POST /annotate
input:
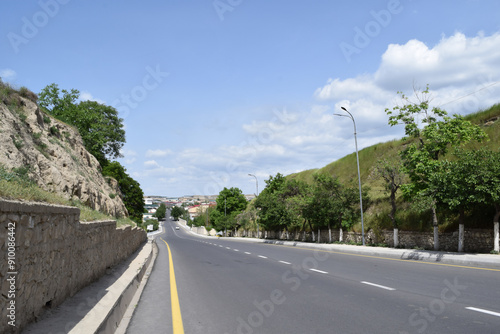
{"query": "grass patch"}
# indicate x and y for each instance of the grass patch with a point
(15, 184)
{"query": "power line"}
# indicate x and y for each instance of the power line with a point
(469, 94)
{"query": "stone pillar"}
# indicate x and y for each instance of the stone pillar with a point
(329, 235)
(496, 237)
(461, 238)
(396, 238)
(436, 238)
(341, 235)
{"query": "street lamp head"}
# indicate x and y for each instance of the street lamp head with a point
(343, 108)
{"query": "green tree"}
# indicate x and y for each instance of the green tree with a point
(470, 180)
(273, 213)
(389, 170)
(99, 125)
(230, 203)
(132, 194)
(61, 107)
(101, 130)
(428, 144)
(177, 212)
(332, 204)
(160, 212)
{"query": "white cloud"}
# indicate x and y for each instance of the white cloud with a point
(129, 156)
(8, 74)
(86, 96)
(151, 164)
(454, 68)
(158, 153)
(454, 61)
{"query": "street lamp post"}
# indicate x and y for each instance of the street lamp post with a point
(257, 194)
(359, 176)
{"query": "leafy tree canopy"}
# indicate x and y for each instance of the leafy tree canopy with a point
(177, 212)
(230, 203)
(160, 212)
(99, 125)
(132, 194)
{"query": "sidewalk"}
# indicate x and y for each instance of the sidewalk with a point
(459, 259)
(101, 306)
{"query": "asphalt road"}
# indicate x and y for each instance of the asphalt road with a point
(229, 286)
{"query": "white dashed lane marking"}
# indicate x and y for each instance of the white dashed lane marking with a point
(496, 314)
(319, 271)
(379, 286)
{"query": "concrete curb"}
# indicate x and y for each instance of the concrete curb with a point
(489, 260)
(127, 316)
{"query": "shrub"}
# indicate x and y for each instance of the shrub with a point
(25, 92)
(18, 142)
(54, 131)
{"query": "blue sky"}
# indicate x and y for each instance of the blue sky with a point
(211, 91)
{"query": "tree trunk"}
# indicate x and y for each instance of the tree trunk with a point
(312, 230)
(396, 237)
(392, 214)
(319, 235)
(436, 231)
(341, 235)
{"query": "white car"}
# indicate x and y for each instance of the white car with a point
(177, 227)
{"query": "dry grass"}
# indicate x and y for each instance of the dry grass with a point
(15, 185)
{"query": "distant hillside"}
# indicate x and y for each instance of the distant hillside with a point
(52, 154)
(345, 168)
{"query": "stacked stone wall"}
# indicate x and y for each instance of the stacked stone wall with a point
(54, 256)
(476, 241)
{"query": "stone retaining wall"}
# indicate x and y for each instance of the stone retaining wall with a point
(55, 256)
(478, 241)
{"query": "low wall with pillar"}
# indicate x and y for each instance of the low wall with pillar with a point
(475, 240)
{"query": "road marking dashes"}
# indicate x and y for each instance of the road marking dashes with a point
(248, 253)
(319, 271)
(284, 262)
(261, 256)
(496, 314)
(379, 286)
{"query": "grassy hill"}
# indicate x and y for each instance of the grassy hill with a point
(376, 216)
